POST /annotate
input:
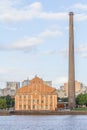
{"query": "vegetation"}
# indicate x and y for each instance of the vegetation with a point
(80, 109)
(6, 102)
(3, 103)
(81, 99)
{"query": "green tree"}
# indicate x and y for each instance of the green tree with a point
(3, 103)
(81, 99)
(8, 101)
(64, 99)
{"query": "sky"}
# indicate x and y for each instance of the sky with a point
(34, 40)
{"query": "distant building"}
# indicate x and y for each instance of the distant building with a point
(25, 82)
(13, 85)
(78, 88)
(1, 92)
(11, 88)
(48, 83)
(63, 91)
(36, 96)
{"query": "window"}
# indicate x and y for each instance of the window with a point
(42, 107)
(37, 101)
(29, 107)
(51, 107)
(20, 107)
(24, 101)
(24, 96)
(33, 101)
(19, 96)
(20, 101)
(42, 101)
(29, 96)
(42, 96)
(33, 106)
(46, 101)
(38, 107)
(51, 96)
(46, 107)
(46, 97)
(24, 106)
(29, 101)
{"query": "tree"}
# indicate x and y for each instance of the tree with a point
(81, 99)
(64, 99)
(3, 103)
(9, 101)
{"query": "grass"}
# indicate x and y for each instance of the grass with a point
(80, 109)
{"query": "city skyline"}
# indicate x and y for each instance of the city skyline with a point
(34, 39)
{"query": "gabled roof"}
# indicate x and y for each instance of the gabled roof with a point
(36, 84)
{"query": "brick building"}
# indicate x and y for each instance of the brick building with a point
(36, 96)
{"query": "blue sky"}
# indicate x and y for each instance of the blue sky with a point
(34, 39)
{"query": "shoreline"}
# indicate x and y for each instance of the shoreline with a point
(8, 113)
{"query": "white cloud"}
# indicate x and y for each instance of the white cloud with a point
(31, 42)
(81, 17)
(51, 33)
(9, 12)
(82, 48)
(84, 55)
(28, 42)
(80, 6)
(57, 52)
(53, 16)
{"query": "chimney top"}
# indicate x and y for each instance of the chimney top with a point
(71, 13)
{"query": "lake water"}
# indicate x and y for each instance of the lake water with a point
(66, 122)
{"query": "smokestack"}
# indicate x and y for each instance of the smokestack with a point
(71, 78)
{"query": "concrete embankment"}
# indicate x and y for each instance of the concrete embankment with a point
(48, 113)
(4, 113)
(7, 113)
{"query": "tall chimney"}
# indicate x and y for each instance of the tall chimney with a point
(71, 78)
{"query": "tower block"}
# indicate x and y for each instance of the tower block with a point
(71, 78)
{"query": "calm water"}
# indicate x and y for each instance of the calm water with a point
(43, 122)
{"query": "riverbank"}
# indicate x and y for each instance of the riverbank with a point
(6, 113)
(48, 112)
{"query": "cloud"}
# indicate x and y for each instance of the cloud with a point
(82, 50)
(56, 52)
(81, 17)
(53, 16)
(51, 33)
(29, 43)
(84, 55)
(80, 6)
(10, 11)
(13, 12)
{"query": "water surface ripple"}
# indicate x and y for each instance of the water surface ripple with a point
(66, 122)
